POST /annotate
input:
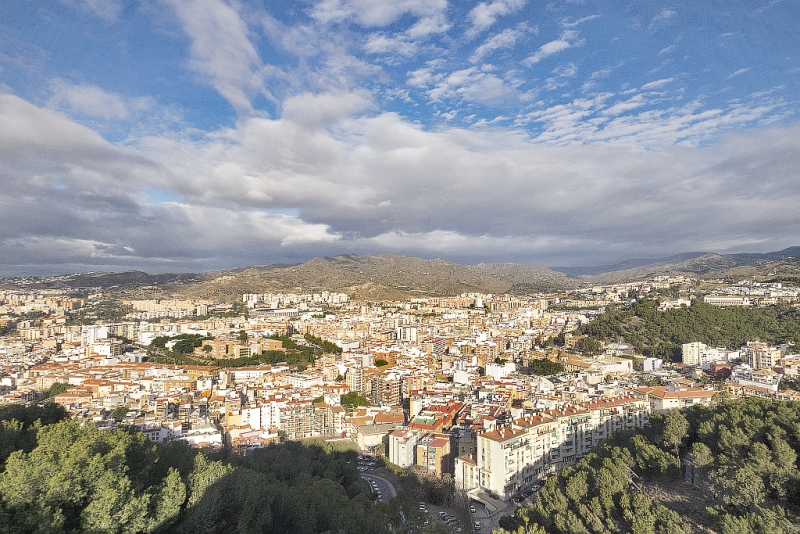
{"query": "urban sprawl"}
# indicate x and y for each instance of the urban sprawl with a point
(444, 383)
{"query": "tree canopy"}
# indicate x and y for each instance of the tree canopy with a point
(545, 367)
(69, 477)
(743, 452)
(661, 333)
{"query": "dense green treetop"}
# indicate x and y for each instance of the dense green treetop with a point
(71, 477)
(661, 333)
(545, 367)
(744, 451)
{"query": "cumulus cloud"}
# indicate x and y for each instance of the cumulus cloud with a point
(505, 39)
(374, 13)
(474, 84)
(316, 111)
(87, 99)
(567, 39)
(379, 43)
(93, 101)
(485, 14)
(221, 51)
(289, 188)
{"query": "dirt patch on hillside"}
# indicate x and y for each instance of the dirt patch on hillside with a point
(680, 496)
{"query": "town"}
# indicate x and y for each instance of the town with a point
(498, 392)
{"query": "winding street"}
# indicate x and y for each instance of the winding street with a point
(385, 487)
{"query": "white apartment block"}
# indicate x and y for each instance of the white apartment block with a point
(727, 300)
(663, 400)
(693, 352)
(511, 459)
(402, 446)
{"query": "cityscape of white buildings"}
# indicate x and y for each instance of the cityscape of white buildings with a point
(447, 379)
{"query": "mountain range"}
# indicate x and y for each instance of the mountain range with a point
(391, 276)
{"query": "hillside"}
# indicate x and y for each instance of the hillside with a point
(392, 276)
(742, 458)
(661, 333)
(387, 276)
(764, 266)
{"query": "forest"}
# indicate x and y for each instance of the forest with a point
(661, 333)
(742, 453)
(57, 475)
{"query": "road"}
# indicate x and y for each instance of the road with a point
(384, 486)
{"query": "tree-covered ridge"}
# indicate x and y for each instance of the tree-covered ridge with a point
(68, 477)
(661, 333)
(744, 453)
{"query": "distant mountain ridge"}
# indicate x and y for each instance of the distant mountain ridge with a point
(629, 264)
(385, 276)
(692, 262)
(392, 276)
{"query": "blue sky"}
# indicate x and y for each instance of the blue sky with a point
(173, 135)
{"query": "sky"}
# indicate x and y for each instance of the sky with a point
(191, 135)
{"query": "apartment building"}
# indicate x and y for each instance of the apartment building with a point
(663, 400)
(402, 446)
(510, 459)
(692, 353)
(433, 453)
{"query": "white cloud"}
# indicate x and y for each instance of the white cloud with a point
(376, 182)
(378, 43)
(663, 18)
(484, 15)
(473, 85)
(428, 26)
(591, 82)
(319, 111)
(221, 51)
(566, 23)
(505, 39)
(562, 74)
(656, 84)
(422, 77)
(592, 120)
(87, 99)
(108, 10)
(568, 39)
(623, 107)
(374, 13)
(568, 70)
(738, 72)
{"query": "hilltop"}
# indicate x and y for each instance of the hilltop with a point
(392, 276)
(709, 265)
(386, 276)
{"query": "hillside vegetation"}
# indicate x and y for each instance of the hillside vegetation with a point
(661, 333)
(59, 476)
(744, 454)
